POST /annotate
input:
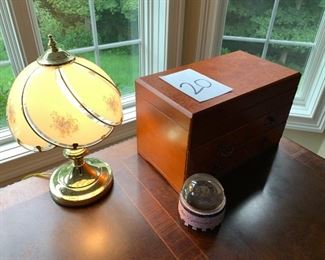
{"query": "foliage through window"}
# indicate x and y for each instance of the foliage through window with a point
(287, 41)
(90, 28)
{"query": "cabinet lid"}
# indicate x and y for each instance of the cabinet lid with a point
(243, 72)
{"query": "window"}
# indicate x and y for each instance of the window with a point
(283, 31)
(121, 36)
(289, 32)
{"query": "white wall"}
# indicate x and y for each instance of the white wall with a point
(312, 141)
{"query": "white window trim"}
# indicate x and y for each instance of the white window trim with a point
(308, 110)
(15, 161)
(10, 38)
(154, 48)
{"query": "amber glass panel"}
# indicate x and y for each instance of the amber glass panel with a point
(16, 119)
(94, 90)
(54, 116)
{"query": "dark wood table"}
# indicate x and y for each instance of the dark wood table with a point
(275, 210)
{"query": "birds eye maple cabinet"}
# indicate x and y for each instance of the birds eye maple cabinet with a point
(180, 136)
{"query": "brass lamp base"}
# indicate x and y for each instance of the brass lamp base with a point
(81, 181)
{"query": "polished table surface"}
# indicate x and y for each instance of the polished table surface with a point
(275, 210)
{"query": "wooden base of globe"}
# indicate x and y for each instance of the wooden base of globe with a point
(73, 186)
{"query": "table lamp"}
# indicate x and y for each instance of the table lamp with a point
(66, 101)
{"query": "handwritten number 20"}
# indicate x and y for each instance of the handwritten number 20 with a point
(199, 85)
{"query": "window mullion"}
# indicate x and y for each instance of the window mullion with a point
(273, 41)
(10, 38)
(243, 39)
(4, 63)
(118, 44)
(142, 19)
(103, 46)
(270, 29)
(94, 30)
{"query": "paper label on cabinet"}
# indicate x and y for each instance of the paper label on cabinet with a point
(196, 85)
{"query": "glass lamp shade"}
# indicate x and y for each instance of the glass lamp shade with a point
(73, 105)
(17, 122)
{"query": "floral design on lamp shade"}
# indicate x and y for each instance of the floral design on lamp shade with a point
(66, 125)
(11, 115)
(111, 104)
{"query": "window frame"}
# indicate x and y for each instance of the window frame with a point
(15, 160)
(11, 40)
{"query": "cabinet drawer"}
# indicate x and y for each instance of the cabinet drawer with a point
(222, 156)
(219, 125)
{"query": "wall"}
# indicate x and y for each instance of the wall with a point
(191, 30)
(312, 141)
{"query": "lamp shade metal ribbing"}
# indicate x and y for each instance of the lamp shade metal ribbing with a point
(72, 105)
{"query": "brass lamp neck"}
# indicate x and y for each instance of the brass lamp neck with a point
(76, 155)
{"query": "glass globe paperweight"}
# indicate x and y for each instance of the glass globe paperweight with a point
(202, 202)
